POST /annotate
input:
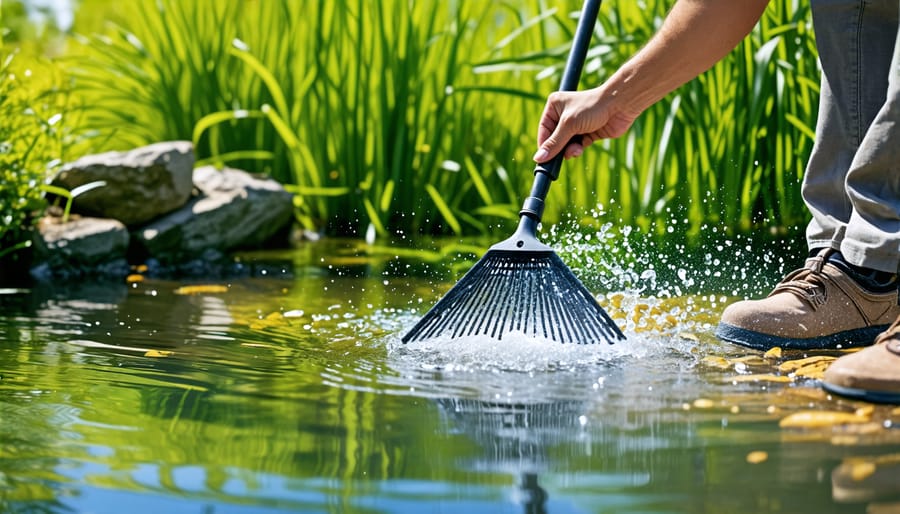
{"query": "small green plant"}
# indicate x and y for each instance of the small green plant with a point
(70, 196)
(30, 141)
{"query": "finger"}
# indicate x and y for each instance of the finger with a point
(555, 142)
(574, 150)
(549, 121)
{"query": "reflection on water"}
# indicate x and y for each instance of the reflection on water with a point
(290, 392)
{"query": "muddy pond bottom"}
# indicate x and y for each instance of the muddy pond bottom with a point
(288, 390)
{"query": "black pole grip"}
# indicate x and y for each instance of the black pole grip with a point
(571, 76)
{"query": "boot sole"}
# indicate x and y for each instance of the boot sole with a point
(862, 394)
(758, 341)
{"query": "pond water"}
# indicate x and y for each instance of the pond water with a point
(287, 389)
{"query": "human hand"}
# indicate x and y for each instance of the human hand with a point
(585, 116)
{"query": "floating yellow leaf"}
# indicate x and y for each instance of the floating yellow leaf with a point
(615, 300)
(861, 470)
(202, 289)
(158, 353)
(275, 319)
(689, 336)
(793, 365)
(819, 419)
(774, 353)
(868, 410)
(815, 370)
(716, 362)
(703, 403)
(752, 360)
(757, 457)
(131, 279)
(761, 378)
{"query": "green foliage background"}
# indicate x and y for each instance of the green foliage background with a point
(411, 118)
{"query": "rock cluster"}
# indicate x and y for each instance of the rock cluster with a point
(155, 207)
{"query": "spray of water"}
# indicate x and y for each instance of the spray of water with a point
(665, 296)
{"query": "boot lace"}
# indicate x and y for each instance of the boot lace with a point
(808, 282)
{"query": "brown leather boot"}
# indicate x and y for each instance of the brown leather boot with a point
(872, 374)
(815, 307)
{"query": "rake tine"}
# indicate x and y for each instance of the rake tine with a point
(521, 284)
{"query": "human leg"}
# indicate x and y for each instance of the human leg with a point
(852, 188)
(872, 236)
(854, 39)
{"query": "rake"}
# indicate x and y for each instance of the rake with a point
(520, 285)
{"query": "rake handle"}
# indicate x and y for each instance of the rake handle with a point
(546, 173)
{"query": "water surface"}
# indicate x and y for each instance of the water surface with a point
(288, 390)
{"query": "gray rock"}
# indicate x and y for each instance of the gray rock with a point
(83, 246)
(141, 184)
(233, 210)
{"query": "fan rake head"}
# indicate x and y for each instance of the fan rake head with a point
(518, 291)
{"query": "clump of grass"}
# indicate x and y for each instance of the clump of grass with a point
(728, 149)
(369, 110)
(404, 118)
(33, 136)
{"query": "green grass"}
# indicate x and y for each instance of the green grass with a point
(369, 110)
(35, 132)
(409, 118)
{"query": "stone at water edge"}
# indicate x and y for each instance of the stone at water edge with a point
(234, 210)
(141, 184)
(82, 246)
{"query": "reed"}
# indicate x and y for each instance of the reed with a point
(369, 111)
(727, 149)
(408, 118)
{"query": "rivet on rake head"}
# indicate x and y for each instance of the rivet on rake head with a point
(520, 244)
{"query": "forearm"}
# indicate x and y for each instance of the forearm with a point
(695, 35)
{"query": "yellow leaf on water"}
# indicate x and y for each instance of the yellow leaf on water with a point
(131, 279)
(716, 362)
(787, 367)
(815, 370)
(774, 353)
(819, 419)
(202, 289)
(689, 336)
(757, 457)
(703, 403)
(615, 300)
(761, 378)
(158, 353)
(867, 411)
(750, 360)
(862, 470)
(275, 319)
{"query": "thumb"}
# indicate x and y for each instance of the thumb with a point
(554, 144)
